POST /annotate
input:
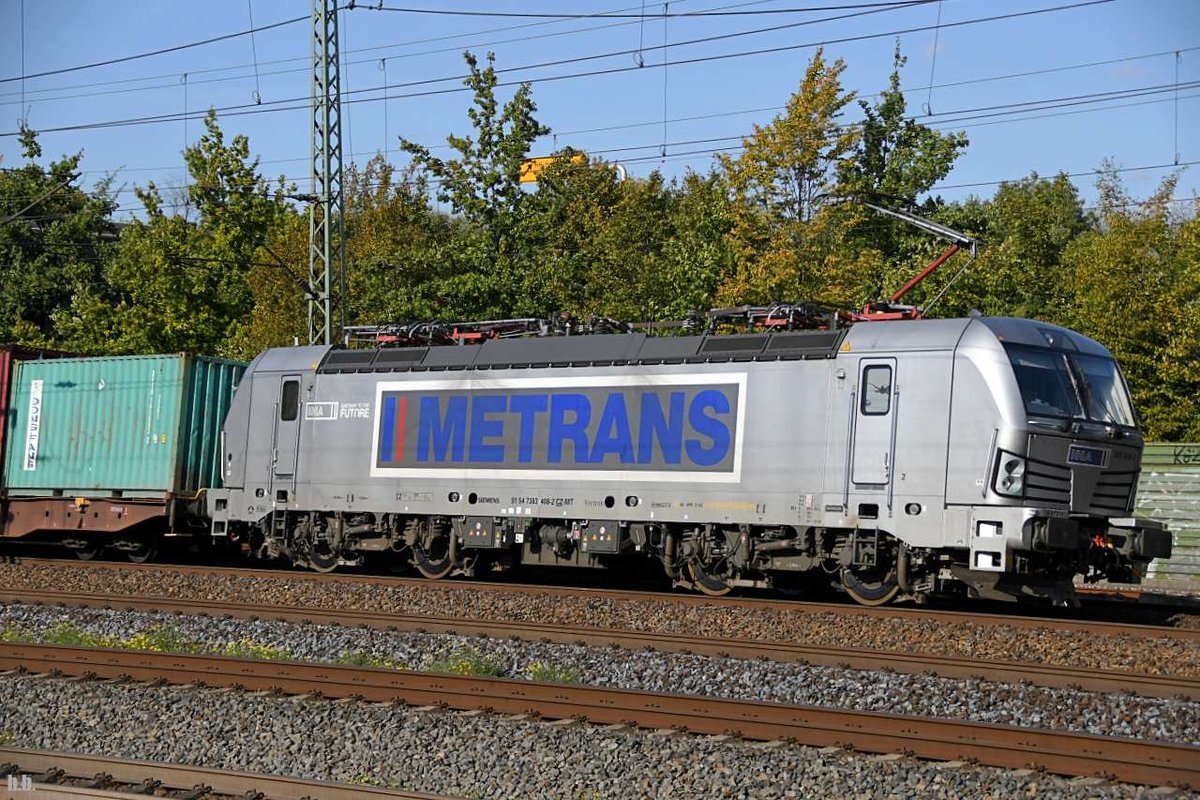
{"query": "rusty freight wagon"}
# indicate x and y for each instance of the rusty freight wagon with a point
(113, 452)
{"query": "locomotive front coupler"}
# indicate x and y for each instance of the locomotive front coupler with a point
(1056, 533)
(1145, 539)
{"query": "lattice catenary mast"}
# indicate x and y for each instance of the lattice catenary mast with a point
(326, 251)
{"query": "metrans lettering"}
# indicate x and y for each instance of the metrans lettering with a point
(673, 424)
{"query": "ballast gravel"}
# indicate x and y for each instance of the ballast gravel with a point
(991, 641)
(474, 755)
(993, 702)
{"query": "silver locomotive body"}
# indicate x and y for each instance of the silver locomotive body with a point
(994, 455)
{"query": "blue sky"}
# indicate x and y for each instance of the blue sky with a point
(632, 114)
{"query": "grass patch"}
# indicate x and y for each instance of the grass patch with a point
(457, 660)
(360, 658)
(248, 648)
(156, 638)
(551, 673)
(464, 660)
(12, 632)
(162, 639)
(71, 635)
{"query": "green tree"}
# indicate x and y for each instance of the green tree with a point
(1025, 227)
(392, 233)
(176, 284)
(630, 249)
(1031, 222)
(698, 256)
(896, 161)
(564, 244)
(54, 241)
(592, 241)
(483, 184)
(278, 283)
(787, 237)
(1136, 281)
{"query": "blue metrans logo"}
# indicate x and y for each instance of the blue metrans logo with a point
(675, 427)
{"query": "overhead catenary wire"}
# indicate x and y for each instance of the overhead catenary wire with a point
(962, 118)
(910, 90)
(928, 107)
(1178, 59)
(937, 125)
(1121, 170)
(344, 75)
(666, 14)
(637, 57)
(150, 53)
(254, 52)
(692, 155)
(376, 48)
(1030, 106)
(24, 118)
(949, 84)
(971, 114)
(610, 54)
(278, 106)
(186, 143)
(665, 72)
(1003, 118)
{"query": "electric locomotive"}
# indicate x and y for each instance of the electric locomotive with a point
(995, 457)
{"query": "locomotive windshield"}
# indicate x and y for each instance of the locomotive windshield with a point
(1070, 385)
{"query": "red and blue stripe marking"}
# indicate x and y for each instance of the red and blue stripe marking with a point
(391, 437)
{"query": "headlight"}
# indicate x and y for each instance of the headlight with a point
(1010, 476)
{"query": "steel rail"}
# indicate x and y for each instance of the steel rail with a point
(637, 595)
(1133, 594)
(1087, 678)
(39, 763)
(1123, 759)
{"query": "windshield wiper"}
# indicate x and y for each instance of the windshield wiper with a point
(1082, 391)
(1108, 417)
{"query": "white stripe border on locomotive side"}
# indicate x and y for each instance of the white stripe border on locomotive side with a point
(474, 384)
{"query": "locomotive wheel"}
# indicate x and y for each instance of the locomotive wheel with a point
(432, 557)
(322, 559)
(870, 589)
(88, 551)
(143, 551)
(708, 584)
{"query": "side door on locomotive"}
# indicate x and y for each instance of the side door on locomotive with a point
(287, 417)
(889, 405)
(264, 431)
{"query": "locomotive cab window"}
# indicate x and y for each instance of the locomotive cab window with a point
(289, 401)
(877, 390)
(1069, 385)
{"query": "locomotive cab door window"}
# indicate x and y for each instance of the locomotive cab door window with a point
(874, 429)
(877, 390)
(287, 426)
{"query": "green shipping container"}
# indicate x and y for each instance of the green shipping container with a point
(140, 426)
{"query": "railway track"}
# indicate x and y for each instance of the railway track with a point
(853, 658)
(51, 775)
(1127, 760)
(791, 606)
